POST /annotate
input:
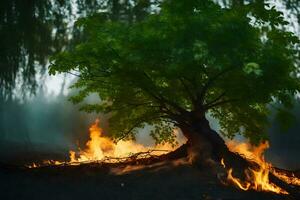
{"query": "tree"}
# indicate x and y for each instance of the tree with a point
(24, 27)
(188, 60)
(32, 30)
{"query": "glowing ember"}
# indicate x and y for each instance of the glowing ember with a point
(101, 148)
(290, 179)
(33, 165)
(222, 163)
(257, 179)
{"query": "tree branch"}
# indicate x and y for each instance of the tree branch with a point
(162, 99)
(74, 74)
(216, 99)
(220, 103)
(188, 91)
(207, 85)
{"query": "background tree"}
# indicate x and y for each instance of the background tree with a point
(32, 30)
(190, 59)
(24, 25)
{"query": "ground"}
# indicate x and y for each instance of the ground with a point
(162, 180)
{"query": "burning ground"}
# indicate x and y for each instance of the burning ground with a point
(167, 180)
(126, 170)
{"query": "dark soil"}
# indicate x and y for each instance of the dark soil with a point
(163, 180)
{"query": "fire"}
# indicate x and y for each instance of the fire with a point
(97, 147)
(290, 179)
(257, 179)
(33, 165)
(237, 182)
(100, 148)
(223, 163)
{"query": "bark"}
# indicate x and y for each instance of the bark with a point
(206, 147)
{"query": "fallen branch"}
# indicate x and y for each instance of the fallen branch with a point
(132, 158)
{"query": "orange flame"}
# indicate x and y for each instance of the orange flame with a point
(97, 147)
(256, 179)
(100, 147)
(237, 182)
(290, 179)
(223, 163)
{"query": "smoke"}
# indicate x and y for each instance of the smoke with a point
(284, 148)
(40, 127)
(47, 126)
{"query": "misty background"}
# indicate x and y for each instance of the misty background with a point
(37, 121)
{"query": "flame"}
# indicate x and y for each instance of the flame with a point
(100, 148)
(290, 179)
(96, 148)
(223, 163)
(34, 165)
(257, 179)
(237, 182)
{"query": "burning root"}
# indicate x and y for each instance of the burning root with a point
(257, 179)
(287, 177)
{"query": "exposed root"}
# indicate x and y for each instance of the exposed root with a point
(240, 165)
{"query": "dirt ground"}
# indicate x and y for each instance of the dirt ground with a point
(165, 180)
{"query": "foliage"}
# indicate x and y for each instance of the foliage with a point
(190, 57)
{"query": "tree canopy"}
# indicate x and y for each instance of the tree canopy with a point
(183, 58)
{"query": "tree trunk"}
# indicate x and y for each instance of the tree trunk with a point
(206, 147)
